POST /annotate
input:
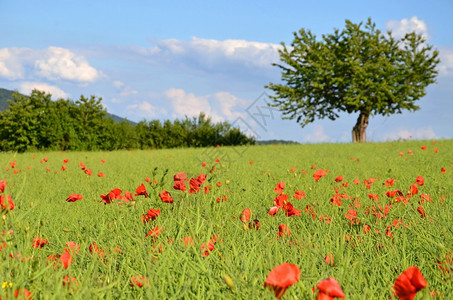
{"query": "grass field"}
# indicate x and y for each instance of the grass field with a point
(199, 247)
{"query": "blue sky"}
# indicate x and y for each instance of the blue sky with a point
(155, 60)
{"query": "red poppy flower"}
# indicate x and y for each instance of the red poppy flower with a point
(65, 161)
(279, 188)
(101, 174)
(245, 215)
(420, 181)
(63, 168)
(329, 260)
(299, 195)
(166, 197)
(88, 172)
(423, 147)
(203, 164)
(74, 198)
(352, 214)
(139, 281)
(409, 283)
(329, 289)
(23, 293)
(356, 181)
(255, 224)
(206, 248)
(112, 195)
(222, 199)
(389, 183)
(442, 170)
(318, 174)
(273, 210)
(180, 181)
(290, 210)
(280, 200)
(339, 179)
(141, 191)
(421, 210)
(66, 259)
(72, 247)
(194, 185)
(202, 178)
(150, 215)
(6, 203)
(39, 243)
(281, 278)
(2, 185)
(413, 190)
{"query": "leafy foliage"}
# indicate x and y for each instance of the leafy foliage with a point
(38, 123)
(354, 70)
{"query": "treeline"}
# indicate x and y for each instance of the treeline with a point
(37, 123)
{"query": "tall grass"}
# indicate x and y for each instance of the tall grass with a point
(365, 264)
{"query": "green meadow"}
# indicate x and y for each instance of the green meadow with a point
(368, 251)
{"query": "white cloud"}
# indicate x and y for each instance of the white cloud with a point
(317, 136)
(57, 93)
(404, 133)
(60, 63)
(400, 28)
(446, 61)
(53, 63)
(124, 90)
(210, 54)
(187, 104)
(221, 106)
(146, 110)
(10, 66)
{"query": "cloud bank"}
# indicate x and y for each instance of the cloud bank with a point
(53, 63)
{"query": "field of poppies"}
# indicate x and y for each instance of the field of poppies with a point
(355, 221)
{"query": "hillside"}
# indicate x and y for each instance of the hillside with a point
(8, 95)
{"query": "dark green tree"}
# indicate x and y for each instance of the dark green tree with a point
(356, 70)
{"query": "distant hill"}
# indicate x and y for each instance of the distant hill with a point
(8, 95)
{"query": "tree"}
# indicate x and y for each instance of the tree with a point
(358, 70)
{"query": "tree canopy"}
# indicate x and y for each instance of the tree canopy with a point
(39, 123)
(356, 70)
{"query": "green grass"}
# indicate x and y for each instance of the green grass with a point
(366, 265)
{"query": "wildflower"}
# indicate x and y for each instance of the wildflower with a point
(66, 259)
(245, 215)
(329, 289)
(419, 180)
(6, 203)
(279, 188)
(339, 179)
(166, 197)
(141, 191)
(409, 283)
(150, 215)
(139, 281)
(281, 278)
(318, 174)
(206, 248)
(39, 243)
(74, 198)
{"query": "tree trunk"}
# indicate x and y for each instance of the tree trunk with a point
(359, 130)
